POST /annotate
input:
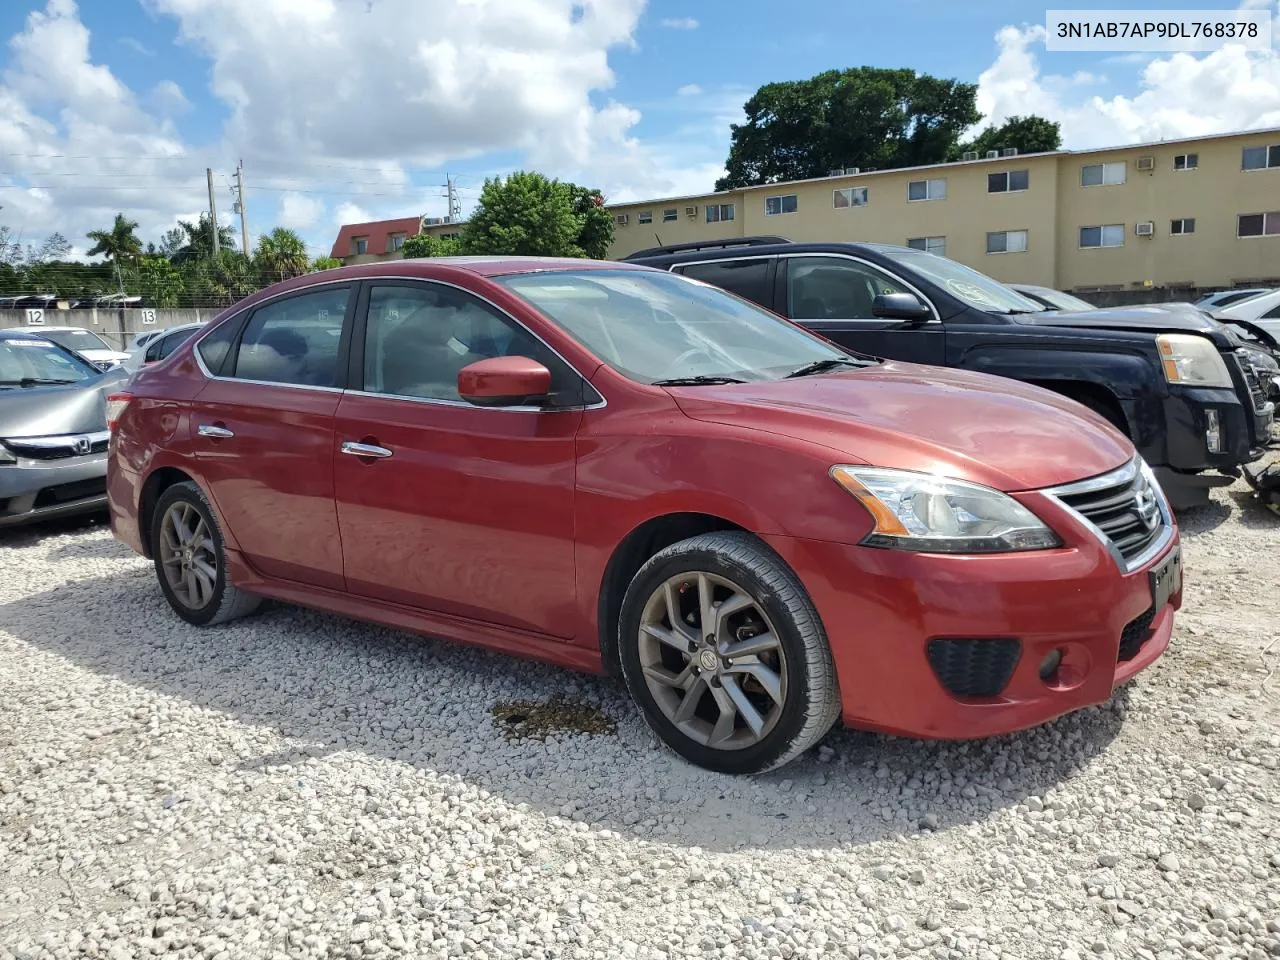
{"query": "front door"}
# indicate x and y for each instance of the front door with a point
(462, 510)
(833, 296)
(262, 431)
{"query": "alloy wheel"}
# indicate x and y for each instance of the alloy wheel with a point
(188, 555)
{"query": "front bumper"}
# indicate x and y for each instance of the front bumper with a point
(33, 490)
(881, 609)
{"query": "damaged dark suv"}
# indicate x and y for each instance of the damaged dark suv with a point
(1178, 384)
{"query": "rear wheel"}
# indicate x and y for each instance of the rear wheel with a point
(190, 559)
(725, 655)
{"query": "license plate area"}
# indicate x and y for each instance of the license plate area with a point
(1166, 579)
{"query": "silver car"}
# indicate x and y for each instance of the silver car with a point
(53, 429)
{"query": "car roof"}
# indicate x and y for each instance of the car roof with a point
(65, 329)
(21, 333)
(741, 251)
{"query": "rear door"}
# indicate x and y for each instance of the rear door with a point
(751, 278)
(263, 432)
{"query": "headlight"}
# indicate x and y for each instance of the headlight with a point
(928, 514)
(1192, 360)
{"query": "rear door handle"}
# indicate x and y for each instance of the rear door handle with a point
(213, 430)
(365, 450)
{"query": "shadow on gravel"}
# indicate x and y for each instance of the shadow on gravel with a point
(16, 538)
(334, 686)
(1205, 519)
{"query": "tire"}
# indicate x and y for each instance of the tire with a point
(216, 599)
(790, 684)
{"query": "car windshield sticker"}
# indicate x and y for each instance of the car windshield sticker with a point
(971, 292)
(28, 343)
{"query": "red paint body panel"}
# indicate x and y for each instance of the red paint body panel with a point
(496, 526)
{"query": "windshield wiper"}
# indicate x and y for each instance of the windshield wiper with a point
(33, 382)
(695, 381)
(822, 366)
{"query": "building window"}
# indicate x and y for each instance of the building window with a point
(936, 245)
(717, 212)
(927, 190)
(646, 217)
(1259, 158)
(1186, 161)
(1110, 235)
(1007, 241)
(1184, 225)
(395, 241)
(849, 197)
(359, 246)
(776, 205)
(1008, 182)
(449, 236)
(671, 215)
(1102, 174)
(1258, 225)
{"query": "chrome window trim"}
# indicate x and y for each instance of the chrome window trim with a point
(195, 344)
(1115, 478)
(435, 401)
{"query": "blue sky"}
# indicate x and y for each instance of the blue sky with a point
(344, 109)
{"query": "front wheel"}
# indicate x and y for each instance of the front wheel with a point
(725, 655)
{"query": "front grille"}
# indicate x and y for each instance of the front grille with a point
(70, 492)
(974, 667)
(1256, 392)
(45, 451)
(1134, 635)
(1126, 511)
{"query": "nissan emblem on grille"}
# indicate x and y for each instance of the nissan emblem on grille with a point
(1147, 508)
(81, 446)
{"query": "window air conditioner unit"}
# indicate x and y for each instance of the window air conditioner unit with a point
(1147, 229)
(690, 211)
(849, 170)
(1146, 163)
(433, 221)
(992, 154)
(969, 155)
(1009, 152)
(622, 219)
(837, 172)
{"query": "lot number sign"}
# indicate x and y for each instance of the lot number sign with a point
(148, 316)
(35, 318)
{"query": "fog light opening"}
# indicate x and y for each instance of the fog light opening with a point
(1213, 431)
(1049, 665)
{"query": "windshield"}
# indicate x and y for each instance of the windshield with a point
(1065, 301)
(32, 362)
(969, 285)
(76, 339)
(660, 326)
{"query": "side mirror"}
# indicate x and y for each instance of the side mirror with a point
(900, 306)
(503, 381)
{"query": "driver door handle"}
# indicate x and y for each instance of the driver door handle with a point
(365, 450)
(215, 431)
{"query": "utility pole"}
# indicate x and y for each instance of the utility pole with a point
(455, 202)
(244, 219)
(213, 211)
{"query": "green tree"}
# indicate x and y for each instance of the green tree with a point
(171, 241)
(596, 235)
(55, 247)
(868, 117)
(280, 255)
(156, 280)
(1029, 134)
(326, 263)
(529, 214)
(197, 240)
(119, 244)
(425, 245)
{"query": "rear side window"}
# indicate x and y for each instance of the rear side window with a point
(164, 346)
(213, 348)
(294, 341)
(749, 279)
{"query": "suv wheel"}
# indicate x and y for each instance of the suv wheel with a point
(190, 559)
(725, 655)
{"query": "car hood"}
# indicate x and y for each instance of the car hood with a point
(100, 356)
(57, 409)
(971, 426)
(1159, 318)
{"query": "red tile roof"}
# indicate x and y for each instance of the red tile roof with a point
(378, 233)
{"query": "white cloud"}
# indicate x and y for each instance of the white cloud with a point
(349, 213)
(689, 90)
(300, 212)
(680, 23)
(1179, 95)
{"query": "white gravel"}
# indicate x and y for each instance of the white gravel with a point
(296, 785)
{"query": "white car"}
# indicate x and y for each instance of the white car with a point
(1229, 298)
(158, 344)
(1263, 310)
(86, 343)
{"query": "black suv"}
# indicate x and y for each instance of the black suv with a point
(1177, 382)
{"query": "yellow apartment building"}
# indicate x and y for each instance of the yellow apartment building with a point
(1197, 212)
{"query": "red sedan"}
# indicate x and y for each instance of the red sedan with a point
(614, 468)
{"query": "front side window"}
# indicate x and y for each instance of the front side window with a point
(418, 337)
(718, 212)
(777, 205)
(834, 288)
(1258, 225)
(294, 341)
(1260, 158)
(1103, 174)
(936, 245)
(849, 197)
(927, 190)
(652, 326)
(30, 360)
(1008, 181)
(746, 278)
(1110, 235)
(1007, 241)
(963, 282)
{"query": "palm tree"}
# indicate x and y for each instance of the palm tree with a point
(198, 240)
(118, 243)
(280, 255)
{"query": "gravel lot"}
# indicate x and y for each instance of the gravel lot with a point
(296, 785)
